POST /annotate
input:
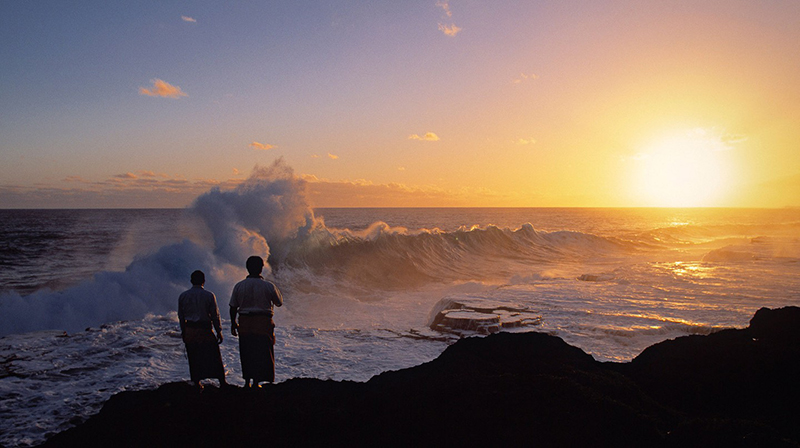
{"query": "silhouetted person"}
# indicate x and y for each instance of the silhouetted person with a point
(197, 313)
(252, 299)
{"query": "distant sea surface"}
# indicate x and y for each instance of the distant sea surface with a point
(88, 297)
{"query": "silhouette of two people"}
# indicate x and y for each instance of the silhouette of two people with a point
(252, 302)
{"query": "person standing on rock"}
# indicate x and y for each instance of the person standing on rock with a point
(253, 299)
(197, 313)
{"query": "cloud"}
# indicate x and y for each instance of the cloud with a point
(428, 137)
(714, 139)
(364, 193)
(144, 173)
(717, 139)
(235, 172)
(188, 19)
(76, 179)
(332, 156)
(119, 191)
(525, 141)
(131, 191)
(261, 146)
(523, 77)
(446, 7)
(733, 138)
(401, 168)
(162, 89)
(450, 30)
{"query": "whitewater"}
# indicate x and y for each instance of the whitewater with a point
(88, 297)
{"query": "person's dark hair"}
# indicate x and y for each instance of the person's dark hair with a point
(198, 278)
(255, 265)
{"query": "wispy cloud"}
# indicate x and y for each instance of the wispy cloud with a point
(127, 190)
(261, 146)
(76, 179)
(162, 89)
(333, 156)
(525, 141)
(446, 7)
(716, 139)
(188, 19)
(733, 138)
(450, 30)
(524, 77)
(365, 193)
(428, 137)
(144, 173)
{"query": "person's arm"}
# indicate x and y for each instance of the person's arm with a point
(277, 298)
(180, 317)
(234, 325)
(234, 308)
(215, 320)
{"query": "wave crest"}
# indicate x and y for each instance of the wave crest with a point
(386, 257)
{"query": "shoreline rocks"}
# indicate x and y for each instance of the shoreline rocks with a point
(731, 388)
(468, 316)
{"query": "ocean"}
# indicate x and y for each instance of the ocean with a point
(88, 297)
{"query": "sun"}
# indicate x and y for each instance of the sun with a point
(682, 170)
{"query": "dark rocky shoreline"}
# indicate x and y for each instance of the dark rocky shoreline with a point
(734, 388)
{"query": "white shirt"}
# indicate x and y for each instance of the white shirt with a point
(198, 305)
(254, 295)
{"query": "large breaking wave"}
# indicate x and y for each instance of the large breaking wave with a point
(261, 216)
(383, 257)
(269, 215)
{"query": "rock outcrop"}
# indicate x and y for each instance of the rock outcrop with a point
(469, 316)
(732, 388)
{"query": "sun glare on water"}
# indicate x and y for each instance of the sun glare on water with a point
(683, 170)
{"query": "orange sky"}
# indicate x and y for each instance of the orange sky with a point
(430, 103)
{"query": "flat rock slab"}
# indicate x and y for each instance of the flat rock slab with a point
(465, 316)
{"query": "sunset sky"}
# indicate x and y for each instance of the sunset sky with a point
(402, 103)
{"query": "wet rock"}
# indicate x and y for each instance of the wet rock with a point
(465, 316)
(595, 277)
(731, 388)
(455, 320)
(749, 374)
(779, 326)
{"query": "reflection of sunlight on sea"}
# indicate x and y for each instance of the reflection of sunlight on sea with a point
(692, 270)
(617, 311)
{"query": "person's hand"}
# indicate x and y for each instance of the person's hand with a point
(234, 327)
(219, 337)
